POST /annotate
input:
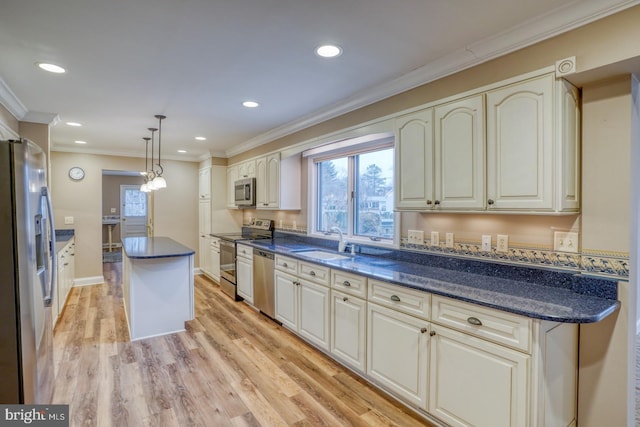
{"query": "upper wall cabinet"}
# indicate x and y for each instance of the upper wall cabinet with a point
(204, 183)
(528, 163)
(247, 169)
(278, 182)
(232, 177)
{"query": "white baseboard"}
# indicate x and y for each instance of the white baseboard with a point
(88, 281)
(197, 271)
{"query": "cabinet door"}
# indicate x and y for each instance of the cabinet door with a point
(398, 352)
(214, 270)
(477, 383)
(204, 254)
(459, 147)
(204, 217)
(520, 146)
(261, 182)
(232, 177)
(313, 312)
(348, 329)
(204, 183)
(286, 293)
(273, 180)
(244, 277)
(247, 169)
(414, 160)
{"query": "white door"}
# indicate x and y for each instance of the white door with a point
(348, 329)
(134, 212)
(286, 293)
(313, 312)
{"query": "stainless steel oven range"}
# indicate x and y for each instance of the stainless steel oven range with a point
(258, 229)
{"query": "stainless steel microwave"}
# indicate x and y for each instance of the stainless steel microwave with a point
(245, 192)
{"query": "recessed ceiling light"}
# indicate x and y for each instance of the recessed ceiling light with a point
(328, 51)
(182, 151)
(250, 104)
(52, 68)
(75, 124)
(201, 138)
(80, 142)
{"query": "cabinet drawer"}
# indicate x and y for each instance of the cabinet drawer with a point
(215, 242)
(286, 264)
(403, 299)
(498, 326)
(349, 283)
(245, 252)
(314, 272)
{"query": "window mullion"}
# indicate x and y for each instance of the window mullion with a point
(351, 195)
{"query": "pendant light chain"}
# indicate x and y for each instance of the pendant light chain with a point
(154, 179)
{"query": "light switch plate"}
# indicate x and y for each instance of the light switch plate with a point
(486, 242)
(68, 220)
(435, 238)
(448, 240)
(415, 236)
(113, 210)
(565, 241)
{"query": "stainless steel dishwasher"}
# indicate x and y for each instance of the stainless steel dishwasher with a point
(263, 289)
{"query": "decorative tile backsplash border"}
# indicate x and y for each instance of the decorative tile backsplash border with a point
(602, 264)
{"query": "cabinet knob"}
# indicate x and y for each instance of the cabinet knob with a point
(312, 273)
(474, 321)
(346, 283)
(429, 202)
(490, 202)
(345, 299)
(395, 298)
(432, 333)
(437, 202)
(284, 264)
(423, 330)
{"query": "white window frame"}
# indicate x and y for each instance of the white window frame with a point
(347, 149)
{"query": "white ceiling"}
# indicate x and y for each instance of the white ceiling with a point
(196, 60)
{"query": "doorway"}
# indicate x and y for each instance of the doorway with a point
(134, 213)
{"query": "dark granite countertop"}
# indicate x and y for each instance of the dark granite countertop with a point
(544, 301)
(62, 238)
(154, 247)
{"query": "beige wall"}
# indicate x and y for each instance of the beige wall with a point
(176, 207)
(7, 119)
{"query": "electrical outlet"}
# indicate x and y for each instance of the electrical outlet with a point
(435, 238)
(113, 210)
(68, 220)
(502, 243)
(486, 243)
(415, 236)
(565, 241)
(448, 240)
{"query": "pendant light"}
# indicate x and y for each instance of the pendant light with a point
(150, 173)
(145, 187)
(158, 180)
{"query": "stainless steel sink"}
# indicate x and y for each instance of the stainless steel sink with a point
(322, 255)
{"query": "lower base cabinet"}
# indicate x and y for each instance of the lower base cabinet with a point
(349, 330)
(474, 382)
(398, 353)
(244, 273)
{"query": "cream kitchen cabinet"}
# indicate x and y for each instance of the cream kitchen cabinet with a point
(204, 183)
(278, 182)
(415, 157)
(204, 217)
(398, 353)
(204, 253)
(244, 272)
(64, 279)
(214, 256)
(460, 155)
(247, 169)
(232, 177)
(301, 304)
(533, 146)
(349, 329)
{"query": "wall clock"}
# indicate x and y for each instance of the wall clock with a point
(76, 173)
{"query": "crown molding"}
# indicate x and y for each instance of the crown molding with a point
(543, 27)
(51, 119)
(7, 133)
(122, 153)
(11, 102)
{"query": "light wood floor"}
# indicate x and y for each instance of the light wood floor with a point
(232, 367)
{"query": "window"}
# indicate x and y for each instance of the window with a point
(355, 193)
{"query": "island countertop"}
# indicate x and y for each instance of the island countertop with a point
(154, 247)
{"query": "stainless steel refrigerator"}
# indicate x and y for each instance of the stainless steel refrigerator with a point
(27, 275)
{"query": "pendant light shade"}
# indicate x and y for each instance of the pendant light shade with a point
(159, 182)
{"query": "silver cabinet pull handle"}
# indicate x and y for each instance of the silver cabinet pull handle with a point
(395, 298)
(313, 273)
(346, 283)
(474, 321)
(345, 299)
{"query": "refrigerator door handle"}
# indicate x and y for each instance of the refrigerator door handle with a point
(48, 297)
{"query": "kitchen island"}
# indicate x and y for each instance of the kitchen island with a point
(157, 285)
